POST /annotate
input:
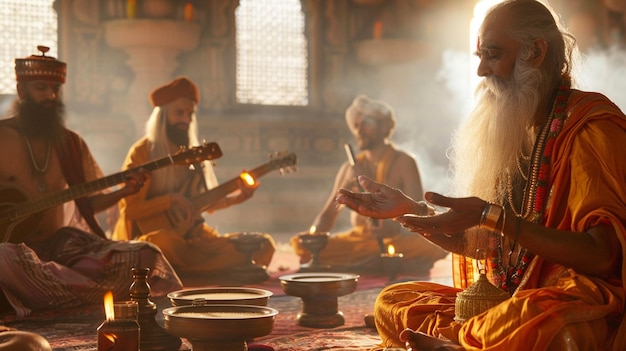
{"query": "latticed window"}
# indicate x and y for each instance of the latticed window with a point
(24, 24)
(271, 53)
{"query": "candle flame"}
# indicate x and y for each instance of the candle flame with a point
(247, 178)
(313, 229)
(108, 306)
(391, 250)
(112, 338)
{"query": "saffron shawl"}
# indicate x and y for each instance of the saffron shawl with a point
(589, 176)
(553, 303)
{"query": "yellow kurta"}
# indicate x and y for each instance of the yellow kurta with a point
(358, 247)
(554, 303)
(208, 253)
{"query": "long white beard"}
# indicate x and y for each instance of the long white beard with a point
(487, 144)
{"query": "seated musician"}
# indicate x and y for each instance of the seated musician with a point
(162, 212)
(372, 122)
(59, 257)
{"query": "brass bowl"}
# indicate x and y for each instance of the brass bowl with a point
(320, 283)
(314, 242)
(219, 327)
(319, 293)
(220, 295)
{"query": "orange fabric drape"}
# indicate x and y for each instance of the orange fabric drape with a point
(554, 304)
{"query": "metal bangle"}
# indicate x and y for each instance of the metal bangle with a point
(483, 215)
(503, 223)
(492, 217)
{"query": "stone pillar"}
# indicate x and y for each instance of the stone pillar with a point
(153, 46)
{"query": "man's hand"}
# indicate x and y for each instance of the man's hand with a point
(133, 181)
(463, 213)
(378, 200)
(244, 193)
(182, 211)
(418, 341)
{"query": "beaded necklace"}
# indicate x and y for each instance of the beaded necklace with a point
(39, 171)
(535, 195)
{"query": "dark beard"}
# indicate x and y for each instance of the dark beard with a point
(177, 136)
(41, 119)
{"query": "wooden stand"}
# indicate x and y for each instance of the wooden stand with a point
(151, 336)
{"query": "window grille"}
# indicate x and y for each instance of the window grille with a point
(24, 24)
(271, 53)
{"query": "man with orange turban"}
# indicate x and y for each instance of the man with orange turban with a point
(162, 212)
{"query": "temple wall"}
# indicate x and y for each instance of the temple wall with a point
(418, 63)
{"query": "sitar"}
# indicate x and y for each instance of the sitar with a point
(203, 201)
(18, 213)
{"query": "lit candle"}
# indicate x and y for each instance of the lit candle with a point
(247, 179)
(188, 12)
(313, 229)
(377, 33)
(391, 251)
(391, 262)
(131, 8)
(120, 334)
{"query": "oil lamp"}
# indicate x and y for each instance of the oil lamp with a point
(119, 332)
(314, 242)
(391, 262)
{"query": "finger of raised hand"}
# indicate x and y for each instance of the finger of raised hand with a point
(416, 223)
(422, 208)
(369, 184)
(348, 198)
(439, 200)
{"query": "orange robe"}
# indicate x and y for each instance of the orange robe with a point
(554, 305)
(211, 253)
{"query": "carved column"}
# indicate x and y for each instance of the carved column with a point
(217, 57)
(153, 46)
(336, 94)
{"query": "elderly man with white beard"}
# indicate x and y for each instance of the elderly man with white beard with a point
(540, 188)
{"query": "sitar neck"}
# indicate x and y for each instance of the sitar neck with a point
(77, 191)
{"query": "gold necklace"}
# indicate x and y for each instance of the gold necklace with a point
(39, 171)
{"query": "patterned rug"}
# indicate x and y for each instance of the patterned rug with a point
(75, 330)
(353, 335)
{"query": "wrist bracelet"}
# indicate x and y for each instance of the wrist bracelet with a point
(483, 216)
(490, 217)
(503, 223)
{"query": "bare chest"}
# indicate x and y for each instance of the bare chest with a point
(32, 167)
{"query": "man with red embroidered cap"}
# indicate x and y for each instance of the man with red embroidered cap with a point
(161, 212)
(540, 186)
(59, 255)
